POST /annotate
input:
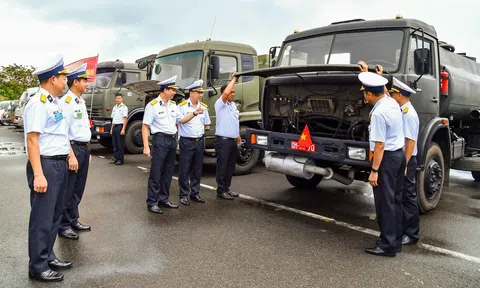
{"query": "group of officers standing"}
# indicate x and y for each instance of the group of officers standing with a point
(393, 130)
(57, 138)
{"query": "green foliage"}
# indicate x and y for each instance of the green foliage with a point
(14, 79)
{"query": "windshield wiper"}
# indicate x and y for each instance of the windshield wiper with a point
(331, 48)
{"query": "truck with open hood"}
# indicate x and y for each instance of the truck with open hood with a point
(315, 83)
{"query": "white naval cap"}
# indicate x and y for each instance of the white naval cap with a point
(372, 81)
(50, 68)
(196, 86)
(79, 72)
(168, 83)
(402, 88)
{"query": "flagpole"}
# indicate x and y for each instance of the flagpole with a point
(93, 91)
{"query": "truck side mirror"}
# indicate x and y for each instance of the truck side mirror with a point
(124, 77)
(273, 52)
(274, 62)
(214, 67)
(142, 64)
(422, 61)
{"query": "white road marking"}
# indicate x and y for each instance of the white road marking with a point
(103, 157)
(342, 224)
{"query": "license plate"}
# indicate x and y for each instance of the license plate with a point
(294, 146)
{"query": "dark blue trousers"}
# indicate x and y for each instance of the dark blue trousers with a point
(191, 165)
(388, 200)
(411, 214)
(118, 142)
(161, 169)
(227, 154)
(46, 213)
(75, 187)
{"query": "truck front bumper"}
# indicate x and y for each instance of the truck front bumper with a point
(337, 151)
(101, 129)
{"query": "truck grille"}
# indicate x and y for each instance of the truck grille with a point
(324, 106)
(95, 111)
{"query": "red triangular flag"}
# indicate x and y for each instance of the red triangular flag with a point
(305, 140)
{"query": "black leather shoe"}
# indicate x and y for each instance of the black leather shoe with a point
(155, 209)
(169, 204)
(69, 234)
(233, 194)
(112, 162)
(377, 251)
(184, 201)
(81, 227)
(197, 199)
(378, 243)
(58, 264)
(408, 241)
(225, 196)
(46, 276)
(118, 163)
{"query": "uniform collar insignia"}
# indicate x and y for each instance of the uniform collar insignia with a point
(76, 100)
(50, 98)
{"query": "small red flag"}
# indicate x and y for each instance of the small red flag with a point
(305, 140)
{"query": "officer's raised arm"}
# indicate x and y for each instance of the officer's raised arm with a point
(230, 87)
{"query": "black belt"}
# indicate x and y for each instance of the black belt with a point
(226, 138)
(117, 124)
(164, 134)
(398, 150)
(192, 138)
(55, 157)
(80, 143)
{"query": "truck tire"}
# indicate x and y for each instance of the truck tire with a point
(247, 160)
(133, 138)
(476, 176)
(430, 180)
(301, 183)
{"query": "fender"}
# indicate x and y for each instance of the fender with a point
(134, 112)
(426, 135)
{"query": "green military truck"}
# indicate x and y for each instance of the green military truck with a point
(315, 82)
(214, 62)
(111, 76)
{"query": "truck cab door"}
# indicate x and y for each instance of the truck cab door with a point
(129, 98)
(426, 101)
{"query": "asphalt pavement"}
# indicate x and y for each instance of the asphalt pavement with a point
(254, 241)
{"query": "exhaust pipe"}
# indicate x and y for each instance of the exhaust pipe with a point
(303, 167)
(475, 114)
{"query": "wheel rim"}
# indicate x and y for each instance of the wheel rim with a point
(244, 154)
(433, 179)
(137, 137)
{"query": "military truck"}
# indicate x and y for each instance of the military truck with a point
(214, 62)
(100, 99)
(315, 82)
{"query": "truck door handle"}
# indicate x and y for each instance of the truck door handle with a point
(435, 100)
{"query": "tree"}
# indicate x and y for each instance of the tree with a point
(14, 79)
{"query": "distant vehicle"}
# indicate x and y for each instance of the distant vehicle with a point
(26, 95)
(9, 113)
(3, 108)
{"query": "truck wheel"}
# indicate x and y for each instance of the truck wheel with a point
(476, 176)
(106, 142)
(304, 183)
(430, 180)
(247, 160)
(133, 138)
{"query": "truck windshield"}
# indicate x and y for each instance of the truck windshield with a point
(103, 79)
(373, 47)
(187, 66)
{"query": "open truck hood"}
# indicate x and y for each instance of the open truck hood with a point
(144, 88)
(282, 70)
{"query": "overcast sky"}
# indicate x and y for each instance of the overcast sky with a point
(33, 29)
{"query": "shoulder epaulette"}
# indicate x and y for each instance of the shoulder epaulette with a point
(68, 99)
(405, 110)
(43, 98)
(154, 102)
(183, 103)
(123, 105)
(204, 105)
(173, 102)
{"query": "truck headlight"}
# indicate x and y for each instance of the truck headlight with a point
(259, 139)
(357, 153)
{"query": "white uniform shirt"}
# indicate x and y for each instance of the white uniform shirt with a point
(194, 128)
(75, 112)
(227, 119)
(43, 115)
(411, 124)
(161, 117)
(118, 113)
(386, 125)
